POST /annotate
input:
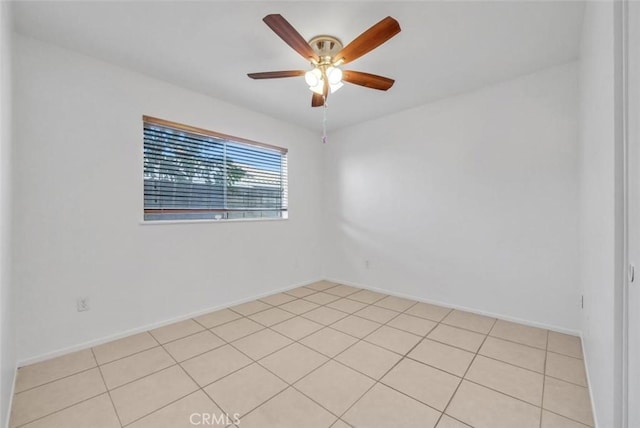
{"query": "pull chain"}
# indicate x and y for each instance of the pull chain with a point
(324, 121)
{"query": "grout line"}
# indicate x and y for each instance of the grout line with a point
(463, 378)
(544, 381)
(107, 388)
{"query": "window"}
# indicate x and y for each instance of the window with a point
(194, 174)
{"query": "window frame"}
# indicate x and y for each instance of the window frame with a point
(218, 135)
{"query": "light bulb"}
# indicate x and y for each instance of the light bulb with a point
(334, 75)
(335, 86)
(319, 88)
(312, 77)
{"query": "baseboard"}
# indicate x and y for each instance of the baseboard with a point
(112, 337)
(589, 386)
(462, 308)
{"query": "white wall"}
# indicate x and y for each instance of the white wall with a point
(470, 201)
(598, 206)
(78, 206)
(7, 332)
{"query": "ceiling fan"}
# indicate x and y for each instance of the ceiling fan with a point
(326, 54)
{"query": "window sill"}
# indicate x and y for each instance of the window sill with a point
(233, 220)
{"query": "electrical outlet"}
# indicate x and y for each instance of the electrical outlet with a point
(82, 304)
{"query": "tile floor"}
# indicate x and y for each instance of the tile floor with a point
(324, 355)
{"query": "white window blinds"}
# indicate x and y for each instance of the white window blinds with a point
(194, 174)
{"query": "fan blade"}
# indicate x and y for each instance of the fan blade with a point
(372, 81)
(276, 74)
(369, 40)
(316, 100)
(290, 35)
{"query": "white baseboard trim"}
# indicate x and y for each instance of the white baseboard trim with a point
(462, 308)
(116, 336)
(589, 386)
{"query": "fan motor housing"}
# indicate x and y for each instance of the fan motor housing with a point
(326, 47)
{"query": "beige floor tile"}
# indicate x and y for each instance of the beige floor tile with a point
(299, 306)
(356, 326)
(342, 290)
(179, 414)
(271, 316)
(293, 362)
(383, 407)
(511, 380)
(245, 389)
(334, 386)
(428, 311)
(297, 328)
(300, 292)
(137, 399)
(128, 369)
(565, 344)
(124, 347)
(46, 399)
(566, 368)
(278, 299)
(457, 337)
(346, 305)
(261, 344)
(324, 315)
(395, 303)
(374, 313)
(340, 424)
(56, 368)
(217, 318)
(393, 339)
(176, 331)
(443, 357)
(449, 422)
(412, 378)
(211, 366)
(234, 330)
(369, 359)
(514, 353)
(469, 321)
(321, 285)
(321, 298)
(329, 342)
(367, 296)
(481, 407)
(551, 420)
(250, 308)
(568, 400)
(289, 409)
(415, 325)
(520, 333)
(190, 346)
(97, 412)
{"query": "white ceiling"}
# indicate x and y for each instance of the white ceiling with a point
(444, 48)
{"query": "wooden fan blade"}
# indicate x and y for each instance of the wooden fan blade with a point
(290, 35)
(372, 81)
(276, 74)
(369, 40)
(317, 100)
